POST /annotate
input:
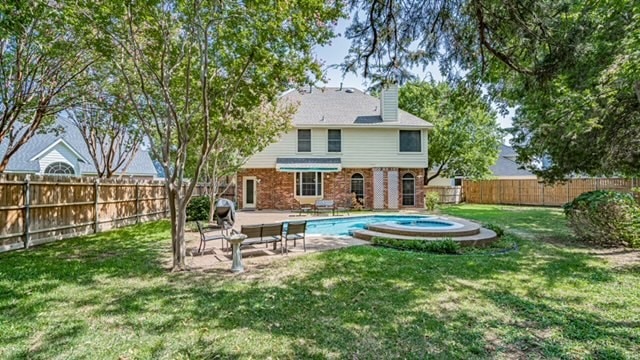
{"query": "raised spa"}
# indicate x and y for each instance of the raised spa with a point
(421, 227)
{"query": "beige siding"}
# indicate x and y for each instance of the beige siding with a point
(389, 103)
(361, 148)
(59, 153)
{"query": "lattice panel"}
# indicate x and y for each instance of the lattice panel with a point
(378, 189)
(392, 189)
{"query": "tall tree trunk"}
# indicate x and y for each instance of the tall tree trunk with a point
(178, 218)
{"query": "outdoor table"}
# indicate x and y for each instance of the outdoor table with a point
(235, 241)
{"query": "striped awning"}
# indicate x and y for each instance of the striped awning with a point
(308, 164)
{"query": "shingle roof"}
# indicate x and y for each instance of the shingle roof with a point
(21, 161)
(335, 107)
(506, 164)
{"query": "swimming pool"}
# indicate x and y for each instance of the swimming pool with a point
(343, 226)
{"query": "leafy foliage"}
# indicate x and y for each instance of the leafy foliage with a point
(44, 47)
(495, 228)
(431, 200)
(105, 118)
(571, 68)
(197, 73)
(446, 246)
(198, 208)
(465, 139)
(605, 217)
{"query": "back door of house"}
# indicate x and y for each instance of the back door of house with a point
(249, 197)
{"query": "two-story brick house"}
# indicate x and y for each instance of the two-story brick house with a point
(343, 141)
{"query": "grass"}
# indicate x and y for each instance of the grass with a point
(108, 296)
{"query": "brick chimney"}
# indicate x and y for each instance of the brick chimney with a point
(389, 102)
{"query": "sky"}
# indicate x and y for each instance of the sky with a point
(337, 50)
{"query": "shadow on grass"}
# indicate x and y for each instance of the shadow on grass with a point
(111, 291)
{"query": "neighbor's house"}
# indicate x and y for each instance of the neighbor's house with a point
(65, 153)
(343, 141)
(505, 168)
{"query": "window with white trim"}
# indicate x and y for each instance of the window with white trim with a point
(304, 140)
(309, 184)
(410, 141)
(334, 140)
(59, 168)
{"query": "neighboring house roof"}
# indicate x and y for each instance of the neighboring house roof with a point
(506, 164)
(332, 107)
(26, 158)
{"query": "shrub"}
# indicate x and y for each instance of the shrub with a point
(431, 199)
(497, 229)
(605, 217)
(198, 208)
(446, 246)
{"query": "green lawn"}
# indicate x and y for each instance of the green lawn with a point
(108, 296)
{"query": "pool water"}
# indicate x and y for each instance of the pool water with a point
(343, 226)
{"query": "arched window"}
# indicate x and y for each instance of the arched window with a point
(357, 187)
(408, 190)
(59, 168)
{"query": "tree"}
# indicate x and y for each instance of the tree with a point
(194, 70)
(465, 139)
(104, 117)
(570, 67)
(260, 127)
(41, 56)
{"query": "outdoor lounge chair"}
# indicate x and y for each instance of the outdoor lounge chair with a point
(296, 230)
(207, 234)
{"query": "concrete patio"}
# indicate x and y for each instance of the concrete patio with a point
(217, 259)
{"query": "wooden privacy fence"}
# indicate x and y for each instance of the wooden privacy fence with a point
(447, 194)
(42, 209)
(533, 192)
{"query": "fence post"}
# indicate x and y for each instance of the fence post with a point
(481, 200)
(543, 186)
(27, 213)
(137, 202)
(96, 203)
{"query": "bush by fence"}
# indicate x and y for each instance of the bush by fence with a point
(37, 209)
(533, 192)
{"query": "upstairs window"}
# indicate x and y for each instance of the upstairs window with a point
(335, 140)
(304, 140)
(309, 184)
(410, 141)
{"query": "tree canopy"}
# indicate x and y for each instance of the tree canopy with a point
(465, 139)
(196, 73)
(569, 67)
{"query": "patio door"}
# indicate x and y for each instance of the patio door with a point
(408, 190)
(249, 193)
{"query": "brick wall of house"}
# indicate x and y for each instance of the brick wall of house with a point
(276, 190)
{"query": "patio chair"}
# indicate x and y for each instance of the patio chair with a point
(206, 235)
(296, 230)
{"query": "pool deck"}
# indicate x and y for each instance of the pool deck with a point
(217, 260)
